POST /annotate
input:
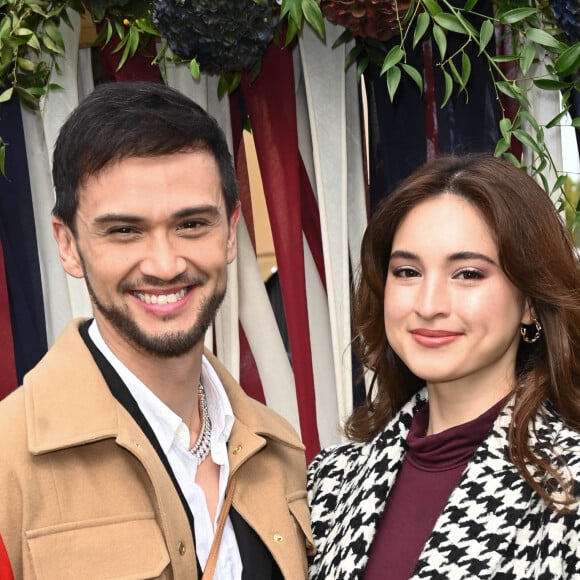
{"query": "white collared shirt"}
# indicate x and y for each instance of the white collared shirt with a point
(173, 436)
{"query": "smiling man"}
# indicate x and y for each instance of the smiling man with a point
(129, 451)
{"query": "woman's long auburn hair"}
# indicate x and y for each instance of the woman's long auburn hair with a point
(537, 255)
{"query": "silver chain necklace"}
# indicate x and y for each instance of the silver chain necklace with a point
(202, 446)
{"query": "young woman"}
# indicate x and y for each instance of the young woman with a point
(464, 462)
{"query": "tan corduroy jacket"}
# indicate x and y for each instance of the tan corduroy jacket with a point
(84, 495)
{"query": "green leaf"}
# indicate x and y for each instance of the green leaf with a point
(3, 159)
(133, 39)
(394, 56)
(465, 69)
(440, 40)
(4, 27)
(313, 16)
(291, 32)
(23, 32)
(560, 182)
(517, 14)
(448, 88)
(505, 58)
(345, 36)
(6, 95)
(502, 146)
(513, 160)
(527, 57)
(450, 22)
(414, 74)
(27, 97)
(34, 43)
(509, 89)
(455, 73)
(25, 64)
(361, 67)
(432, 7)
(525, 138)
(528, 117)
(485, 34)
(50, 45)
(54, 34)
(352, 56)
(393, 80)
(194, 68)
(569, 60)
(544, 38)
(294, 10)
(550, 84)
(145, 25)
(421, 26)
(505, 127)
(470, 5)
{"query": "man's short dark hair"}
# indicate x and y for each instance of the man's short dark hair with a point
(133, 119)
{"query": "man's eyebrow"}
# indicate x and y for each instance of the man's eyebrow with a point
(108, 218)
(455, 257)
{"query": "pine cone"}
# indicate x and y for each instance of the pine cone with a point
(365, 18)
(567, 15)
(223, 35)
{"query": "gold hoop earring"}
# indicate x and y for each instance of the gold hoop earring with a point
(524, 332)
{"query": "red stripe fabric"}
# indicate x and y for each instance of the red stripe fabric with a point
(272, 108)
(8, 380)
(5, 567)
(431, 129)
(249, 376)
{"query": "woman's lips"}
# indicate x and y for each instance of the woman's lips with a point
(434, 338)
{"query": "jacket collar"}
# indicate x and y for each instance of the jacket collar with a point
(68, 402)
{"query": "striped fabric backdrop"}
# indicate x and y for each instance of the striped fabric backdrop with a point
(307, 123)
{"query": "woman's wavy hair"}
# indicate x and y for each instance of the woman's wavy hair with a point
(537, 254)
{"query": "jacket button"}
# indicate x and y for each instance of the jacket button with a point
(236, 450)
(278, 538)
(181, 548)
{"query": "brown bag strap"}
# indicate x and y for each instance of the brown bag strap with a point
(217, 539)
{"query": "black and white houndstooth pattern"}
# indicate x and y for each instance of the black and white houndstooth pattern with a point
(493, 526)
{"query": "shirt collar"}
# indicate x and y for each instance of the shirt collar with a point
(165, 422)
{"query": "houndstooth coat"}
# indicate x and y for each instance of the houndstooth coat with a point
(493, 526)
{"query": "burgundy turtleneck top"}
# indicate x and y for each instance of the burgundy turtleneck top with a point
(431, 470)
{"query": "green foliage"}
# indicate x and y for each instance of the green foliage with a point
(535, 39)
(30, 43)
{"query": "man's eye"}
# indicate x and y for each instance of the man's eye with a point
(191, 225)
(123, 230)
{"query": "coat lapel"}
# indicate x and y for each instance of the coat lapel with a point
(476, 530)
(362, 480)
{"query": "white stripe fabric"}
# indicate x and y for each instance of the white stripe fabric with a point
(262, 332)
(64, 297)
(324, 79)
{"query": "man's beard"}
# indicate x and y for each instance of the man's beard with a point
(167, 345)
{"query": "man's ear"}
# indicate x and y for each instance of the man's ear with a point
(67, 248)
(231, 249)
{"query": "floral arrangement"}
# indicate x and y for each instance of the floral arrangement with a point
(246, 28)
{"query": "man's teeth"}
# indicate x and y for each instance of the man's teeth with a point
(161, 298)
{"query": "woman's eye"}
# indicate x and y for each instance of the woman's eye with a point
(469, 275)
(405, 272)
